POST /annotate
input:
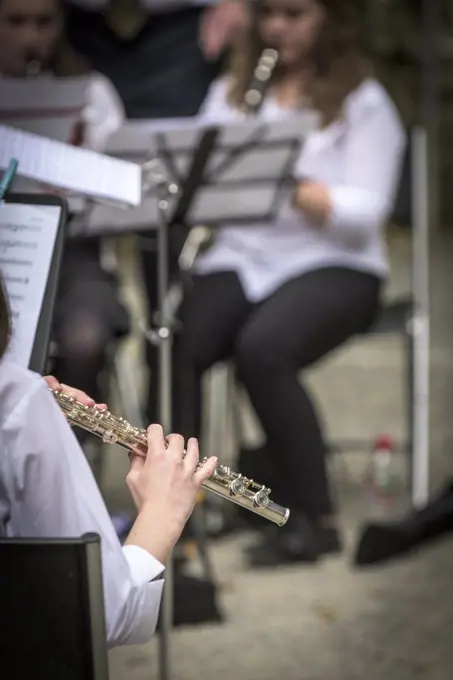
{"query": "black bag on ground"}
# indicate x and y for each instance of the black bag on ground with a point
(195, 601)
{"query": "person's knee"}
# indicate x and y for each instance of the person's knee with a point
(193, 348)
(256, 353)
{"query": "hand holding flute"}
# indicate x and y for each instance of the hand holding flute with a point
(164, 483)
(223, 481)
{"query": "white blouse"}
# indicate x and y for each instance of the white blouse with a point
(358, 158)
(104, 112)
(47, 490)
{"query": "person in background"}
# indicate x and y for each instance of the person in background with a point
(277, 298)
(88, 311)
(162, 56)
(48, 491)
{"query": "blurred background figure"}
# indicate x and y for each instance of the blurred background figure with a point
(33, 32)
(162, 56)
(279, 298)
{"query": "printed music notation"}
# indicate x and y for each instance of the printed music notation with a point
(27, 241)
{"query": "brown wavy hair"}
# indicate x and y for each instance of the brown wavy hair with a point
(339, 59)
(5, 320)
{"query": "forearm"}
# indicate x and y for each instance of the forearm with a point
(313, 199)
(351, 213)
(154, 533)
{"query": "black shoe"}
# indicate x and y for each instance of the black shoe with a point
(301, 542)
(382, 541)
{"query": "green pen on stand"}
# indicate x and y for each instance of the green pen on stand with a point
(8, 178)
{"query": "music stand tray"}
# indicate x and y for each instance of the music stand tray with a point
(238, 172)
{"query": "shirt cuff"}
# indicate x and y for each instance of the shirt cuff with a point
(144, 567)
(352, 206)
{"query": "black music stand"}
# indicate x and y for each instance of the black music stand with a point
(250, 159)
(53, 622)
(28, 220)
(212, 160)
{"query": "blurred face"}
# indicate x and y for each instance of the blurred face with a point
(29, 31)
(290, 26)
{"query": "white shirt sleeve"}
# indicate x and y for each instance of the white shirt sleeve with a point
(104, 113)
(53, 494)
(214, 108)
(372, 159)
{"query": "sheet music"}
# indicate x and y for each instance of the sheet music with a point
(68, 167)
(27, 241)
(217, 205)
(45, 105)
(243, 179)
(137, 138)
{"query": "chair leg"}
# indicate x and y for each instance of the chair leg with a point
(127, 390)
(409, 389)
(216, 414)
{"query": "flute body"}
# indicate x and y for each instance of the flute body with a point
(224, 482)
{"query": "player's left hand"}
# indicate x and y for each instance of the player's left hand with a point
(78, 395)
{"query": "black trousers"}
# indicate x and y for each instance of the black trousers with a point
(300, 324)
(88, 316)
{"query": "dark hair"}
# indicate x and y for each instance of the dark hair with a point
(5, 320)
(339, 59)
(66, 62)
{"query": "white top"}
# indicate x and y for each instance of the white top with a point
(104, 113)
(47, 490)
(358, 158)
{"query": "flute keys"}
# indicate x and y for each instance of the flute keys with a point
(261, 499)
(237, 487)
(109, 437)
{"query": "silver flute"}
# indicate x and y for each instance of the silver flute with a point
(223, 482)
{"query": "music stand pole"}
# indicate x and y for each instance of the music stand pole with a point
(163, 339)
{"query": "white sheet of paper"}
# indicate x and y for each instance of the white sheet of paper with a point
(137, 138)
(42, 94)
(27, 241)
(215, 205)
(45, 105)
(245, 199)
(68, 167)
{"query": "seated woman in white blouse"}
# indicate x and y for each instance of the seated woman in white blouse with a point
(47, 490)
(88, 313)
(278, 298)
